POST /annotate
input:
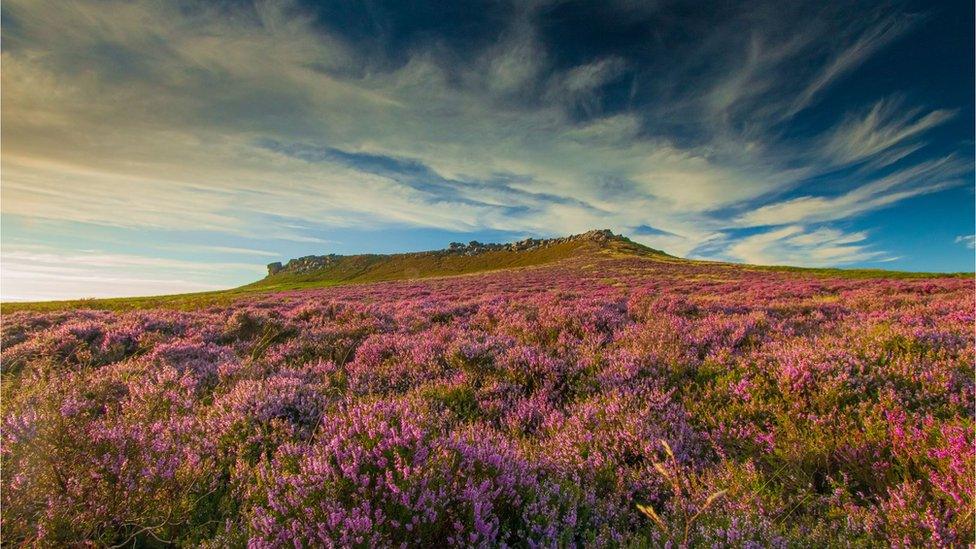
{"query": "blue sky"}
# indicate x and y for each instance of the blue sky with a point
(160, 147)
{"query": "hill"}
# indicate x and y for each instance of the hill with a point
(457, 259)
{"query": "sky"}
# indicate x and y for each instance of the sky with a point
(162, 147)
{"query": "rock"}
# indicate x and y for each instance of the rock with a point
(600, 235)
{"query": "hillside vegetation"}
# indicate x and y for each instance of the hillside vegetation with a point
(605, 399)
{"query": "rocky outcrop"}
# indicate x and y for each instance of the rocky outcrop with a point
(305, 264)
(474, 247)
(311, 263)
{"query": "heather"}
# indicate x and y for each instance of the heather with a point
(600, 401)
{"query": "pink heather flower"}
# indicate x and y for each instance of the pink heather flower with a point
(515, 408)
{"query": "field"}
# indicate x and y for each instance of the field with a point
(601, 400)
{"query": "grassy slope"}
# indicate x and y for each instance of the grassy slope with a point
(376, 268)
(191, 301)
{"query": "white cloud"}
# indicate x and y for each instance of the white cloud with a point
(866, 44)
(155, 163)
(36, 272)
(927, 177)
(219, 250)
(887, 125)
(967, 240)
(798, 245)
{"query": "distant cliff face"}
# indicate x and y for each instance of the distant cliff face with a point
(311, 263)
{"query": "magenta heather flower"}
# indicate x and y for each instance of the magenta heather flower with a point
(525, 407)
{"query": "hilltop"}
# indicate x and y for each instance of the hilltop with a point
(458, 258)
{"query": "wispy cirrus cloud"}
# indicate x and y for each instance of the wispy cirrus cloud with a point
(153, 115)
(927, 177)
(865, 44)
(35, 272)
(887, 125)
(798, 245)
(232, 250)
(968, 240)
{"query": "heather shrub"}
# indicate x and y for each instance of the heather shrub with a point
(580, 404)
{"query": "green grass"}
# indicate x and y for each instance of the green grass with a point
(191, 301)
